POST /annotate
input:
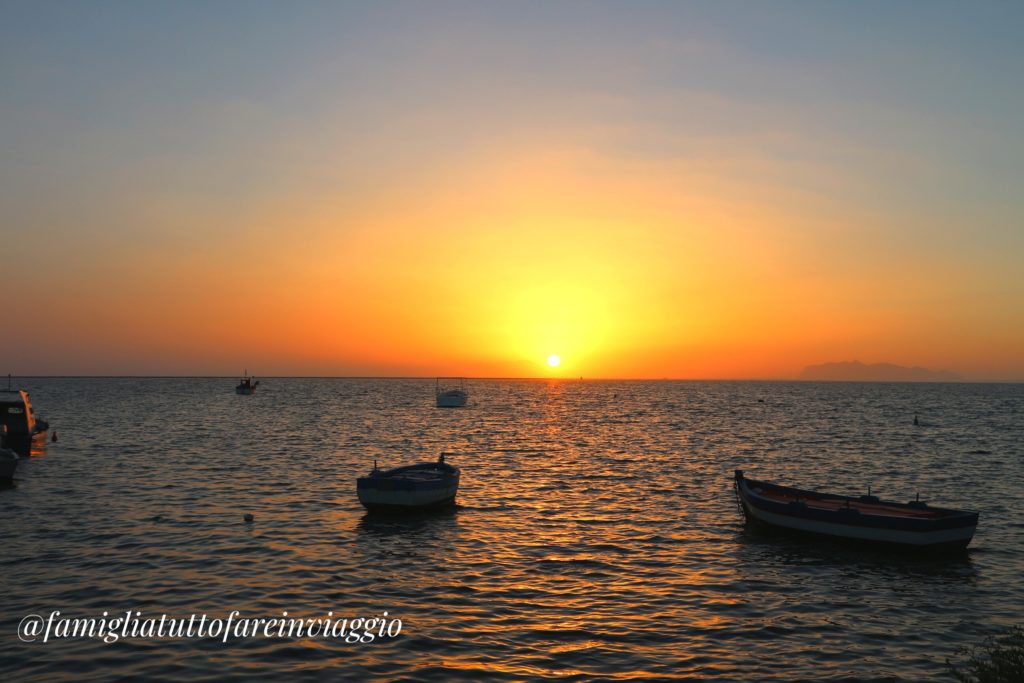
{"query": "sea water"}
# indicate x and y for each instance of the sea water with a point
(596, 534)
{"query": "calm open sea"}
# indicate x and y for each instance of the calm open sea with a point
(597, 535)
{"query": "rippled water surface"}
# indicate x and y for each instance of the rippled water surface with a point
(597, 535)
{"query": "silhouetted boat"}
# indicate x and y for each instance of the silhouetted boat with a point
(246, 386)
(18, 416)
(862, 518)
(424, 486)
(8, 458)
(451, 397)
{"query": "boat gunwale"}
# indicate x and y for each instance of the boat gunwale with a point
(444, 469)
(398, 479)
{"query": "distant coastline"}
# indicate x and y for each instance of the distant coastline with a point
(810, 373)
(855, 371)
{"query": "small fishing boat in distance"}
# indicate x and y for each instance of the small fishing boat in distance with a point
(862, 518)
(449, 396)
(413, 488)
(246, 386)
(18, 416)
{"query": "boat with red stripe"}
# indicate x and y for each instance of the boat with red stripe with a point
(858, 518)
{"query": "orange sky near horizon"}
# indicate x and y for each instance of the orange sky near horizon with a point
(470, 208)
(645, 271)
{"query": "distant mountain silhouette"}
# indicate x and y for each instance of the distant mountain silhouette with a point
(855, 371)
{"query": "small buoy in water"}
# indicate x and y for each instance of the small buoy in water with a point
(54, 437)
(248, 518)
(916, 423)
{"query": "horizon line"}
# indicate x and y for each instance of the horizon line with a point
(537, 378)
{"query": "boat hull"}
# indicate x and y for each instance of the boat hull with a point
(403, 506)
(8, 464)
(859, 520)
(956, 539)
(452, 399)
(413, 488)
(25, 444)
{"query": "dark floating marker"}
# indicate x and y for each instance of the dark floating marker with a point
(54, 437)
(916, 423)
(248, 518)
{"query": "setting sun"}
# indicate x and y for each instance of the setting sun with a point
(523, 188)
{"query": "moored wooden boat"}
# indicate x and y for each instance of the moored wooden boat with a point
(860, 518)
(451, 396)
(412, 488)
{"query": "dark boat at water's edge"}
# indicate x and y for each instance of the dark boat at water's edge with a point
(18, 416)
(862, 518)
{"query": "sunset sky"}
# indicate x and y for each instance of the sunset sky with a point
(646, 189)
